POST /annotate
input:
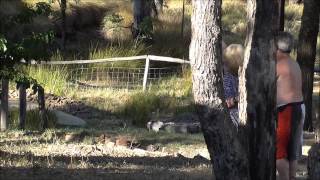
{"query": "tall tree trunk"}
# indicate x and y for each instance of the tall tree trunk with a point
(306, 54)
(4, 105)
(141, 10)
(158, 5)
(227, 156)
(182, 18)
(281, 14)
(63, 7)
(257, 86)
(22, 105)
(42, 108)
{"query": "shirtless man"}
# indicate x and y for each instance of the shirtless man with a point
(290, 109)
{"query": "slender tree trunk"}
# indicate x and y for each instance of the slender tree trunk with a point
(22, 105)
(42, 108)
(182, 18)
(257, 86)
(141, 10)
(158, 5)
(63, 7)
(228, 158)
(4, 105)
(306, 54)
(281, 14)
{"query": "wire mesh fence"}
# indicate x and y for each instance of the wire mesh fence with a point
(117, 77)
(126, 73)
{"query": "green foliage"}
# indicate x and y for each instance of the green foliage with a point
(33, 121)
(113, 21)
(146, 28)
(140, 106)
(29, 46)
(3, 45)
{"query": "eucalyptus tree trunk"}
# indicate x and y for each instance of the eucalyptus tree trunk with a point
(22, 105)
(227, 156)
(257, 85)
(141, 10)
(4, 105)
(281, 14)
(63, 7)
(306, 54)
(158, 5)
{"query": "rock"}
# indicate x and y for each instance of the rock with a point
(65, 119)
(122, 141)
(173, 127)
(155, 125)
(152, 148)
(110, 144)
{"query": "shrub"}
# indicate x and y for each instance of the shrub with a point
(140, 106)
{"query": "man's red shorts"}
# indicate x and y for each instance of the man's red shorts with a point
(288, 136)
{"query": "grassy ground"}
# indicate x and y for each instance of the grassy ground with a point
(49, 155)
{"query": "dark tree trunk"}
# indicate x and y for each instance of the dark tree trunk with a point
(258, 88)
(306, 53)
(158, 6)
(314, 162)
(4, 105)
(42, 108)
(182, 18)
(281, 14)
(141, 9)
(227, 156)
(63, 7)
(22, 105)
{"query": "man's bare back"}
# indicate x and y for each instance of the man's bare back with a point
(289, 83)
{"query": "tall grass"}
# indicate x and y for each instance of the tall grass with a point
(33, 121)
(52, 78)
(120, 49)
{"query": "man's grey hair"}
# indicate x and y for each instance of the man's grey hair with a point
(285, 42)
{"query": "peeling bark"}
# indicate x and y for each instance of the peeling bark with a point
(227, 156)
(258, 88)
(306, 53)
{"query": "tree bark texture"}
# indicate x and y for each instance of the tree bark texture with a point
(22, 106)
(42, 108)
(63, 7)
(314, 162)
(257, 85)
(4, 105)
(227, 156)
(141, 10)
(281, 14)
(306, 53)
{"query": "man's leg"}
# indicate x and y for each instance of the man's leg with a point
(292, 169)
(283, 169)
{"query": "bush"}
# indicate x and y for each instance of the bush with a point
(33, 121)
(140, 106)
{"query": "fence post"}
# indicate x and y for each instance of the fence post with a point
(22, 105)
(4, 104)
(146, 71)
(42, 110)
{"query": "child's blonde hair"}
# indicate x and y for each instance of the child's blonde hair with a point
(233, 57)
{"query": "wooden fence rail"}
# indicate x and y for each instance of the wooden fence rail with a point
(147, 59)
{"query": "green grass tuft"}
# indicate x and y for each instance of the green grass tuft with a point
(33, 121)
